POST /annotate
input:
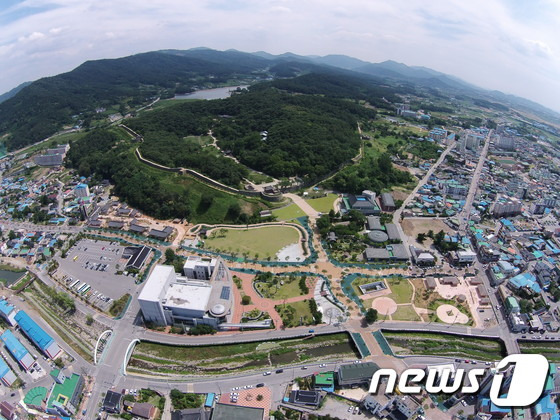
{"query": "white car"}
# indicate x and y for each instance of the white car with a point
(267, 373)
(322, 365)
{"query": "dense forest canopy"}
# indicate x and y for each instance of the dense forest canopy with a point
(307, 135)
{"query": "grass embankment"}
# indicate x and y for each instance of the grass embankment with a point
(413, 343)
(550, 350)
(152, 358)
(262, 242)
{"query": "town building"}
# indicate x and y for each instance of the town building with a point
(81, 190)
(365, 204)
(112, 402)
(505, 142)
(190, 414)
(507, 207)
(7, 312)
(355, 374)
(310, 399)
(161, 234)
(387, 202)
(17, 350)
(393, 252)
(6, 375)
(66, 393)
(324, 381)
(8, 411)
(169, 299)
(36, 398)
(199, 268)
(37, 335)
(141, 410)
(137, 256)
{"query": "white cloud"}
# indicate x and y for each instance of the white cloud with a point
(32, 37)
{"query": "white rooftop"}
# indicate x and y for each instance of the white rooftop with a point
(156, 282)
(194, 260)
(191, 295)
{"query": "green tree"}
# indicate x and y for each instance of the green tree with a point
(169, 256)
(371, 315)
(246, 300)
(421, 237)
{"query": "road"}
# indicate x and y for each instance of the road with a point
(464, 216)
(398, 213)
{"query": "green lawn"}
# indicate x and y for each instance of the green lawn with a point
(405, 313)
(289, 212)
(264, 242)
(401, 290)
(289, 289)
(323, 204)
(295, 314)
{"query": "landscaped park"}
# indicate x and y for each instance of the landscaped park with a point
(402, 299)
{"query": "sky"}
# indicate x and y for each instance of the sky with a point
(507, 45)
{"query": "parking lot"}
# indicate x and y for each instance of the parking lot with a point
(94, 264)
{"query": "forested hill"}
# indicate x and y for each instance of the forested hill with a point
(307, 135)
(44, 106)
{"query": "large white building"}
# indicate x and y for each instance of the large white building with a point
(169, 299)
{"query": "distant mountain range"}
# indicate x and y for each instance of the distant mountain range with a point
(13, 92)
(33, 111)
